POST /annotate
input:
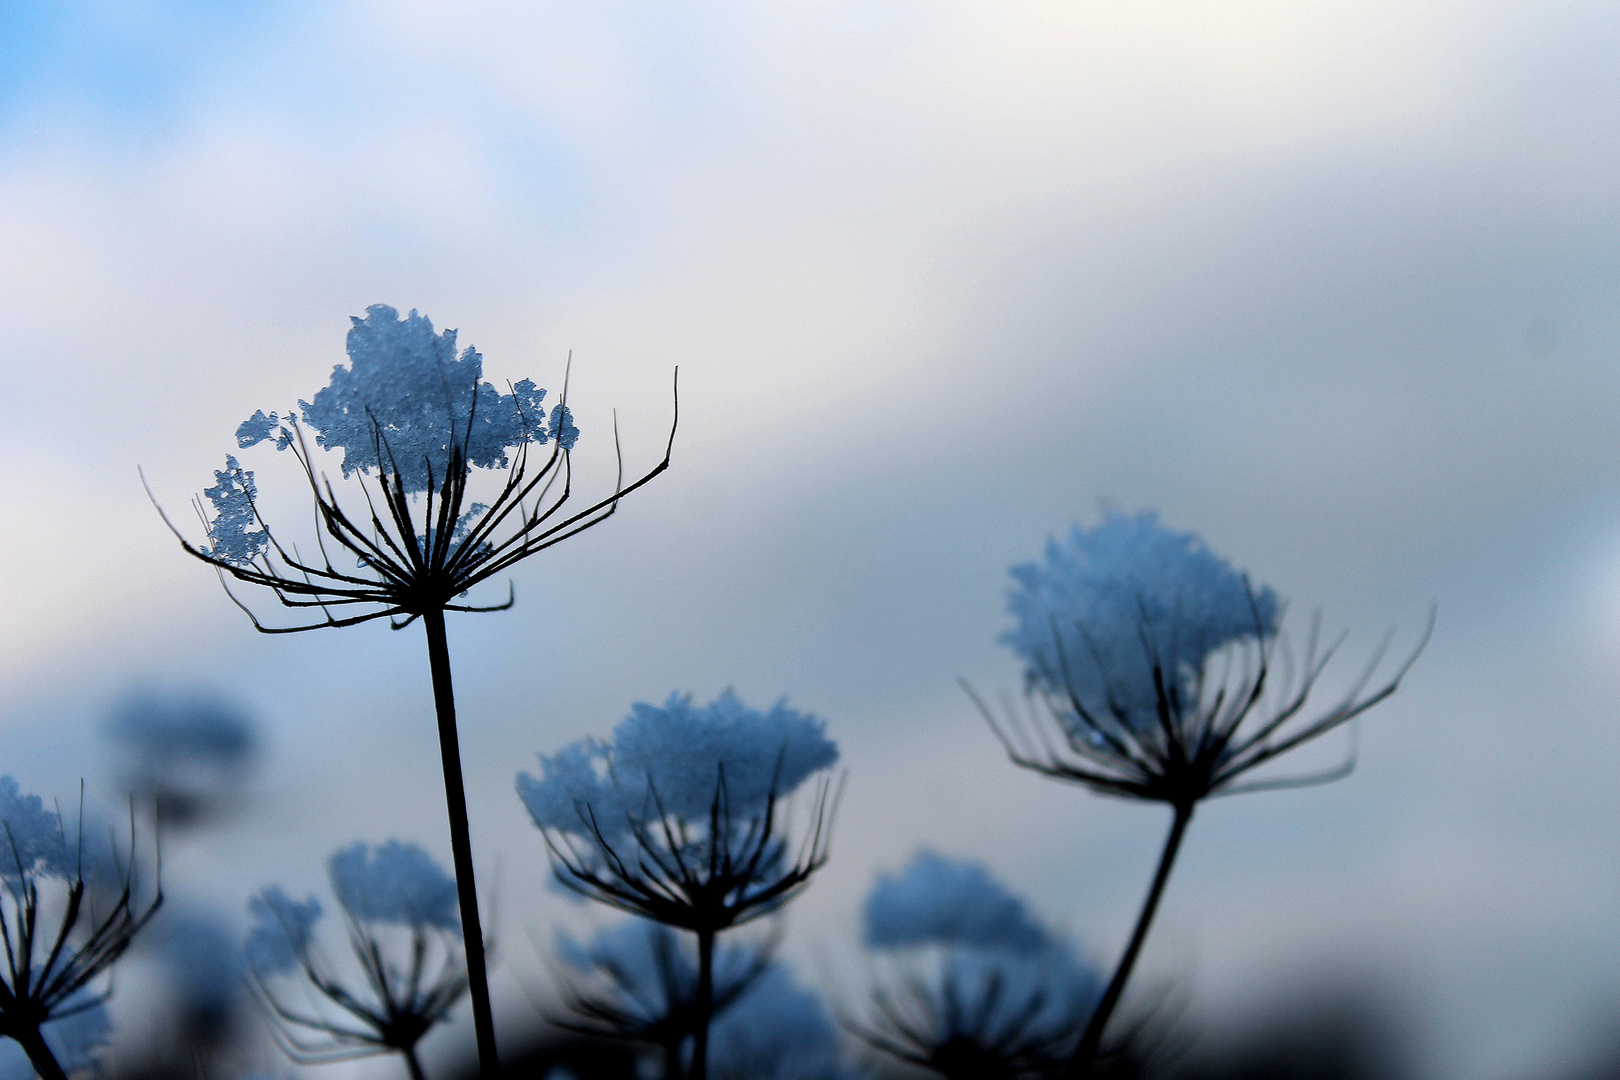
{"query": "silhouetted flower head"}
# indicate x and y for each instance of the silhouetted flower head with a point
(983, 991)
(1158, 665)
(676, 817)
(1117, 603)
(67, 914)
(638, 980)
(413, 419)
(400, 917)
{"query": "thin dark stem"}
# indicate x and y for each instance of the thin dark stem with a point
(39, 1054)
(412, 1064)
(703, 1007)
(1090, 1042)
(455, 797)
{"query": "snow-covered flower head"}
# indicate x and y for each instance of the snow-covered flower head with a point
(394, 883)
(676, 817)
(1156, 663)
(400, 914)
(679, 758)
(987, 990)
(1119, 602)
(413, 419)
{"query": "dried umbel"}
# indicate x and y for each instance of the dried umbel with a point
(399, 914)
(680, 820)
(69, 909)
(972, 987)
(638, 981)
(418, 429)
(1154, 670)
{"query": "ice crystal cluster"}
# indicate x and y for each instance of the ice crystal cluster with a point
(404, 406)
(995, 968)
(678, 759)
(391, 883)
(1113, 602)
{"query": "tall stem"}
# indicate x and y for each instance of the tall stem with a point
(413, 1064)
(704, 1006)
(39, 1054)
(455, 797)
(1090, 1042)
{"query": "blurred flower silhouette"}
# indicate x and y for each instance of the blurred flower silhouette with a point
(399, 911)
(679, 820)
(979, 990)
(416, 417)
(73, 1040)
(1155, 671)
(59, 940)
(187, 753)
(638, 980)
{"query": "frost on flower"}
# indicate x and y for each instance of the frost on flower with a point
(34, 843)
(677, 759)
(231, 534)
(936, 900)
(986, 980)
(407, 398)
(1107, 605)
(394, 883)
(282, 929)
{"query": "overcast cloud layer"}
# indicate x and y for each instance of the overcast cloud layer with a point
(1335, 284)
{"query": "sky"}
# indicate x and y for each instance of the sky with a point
(1334, 284)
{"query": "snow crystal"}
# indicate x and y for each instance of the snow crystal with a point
(936, 900)
(1103, 608)
(282, 930)
(234, 516)
(394, 883)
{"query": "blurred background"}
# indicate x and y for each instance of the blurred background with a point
(1335, 284)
